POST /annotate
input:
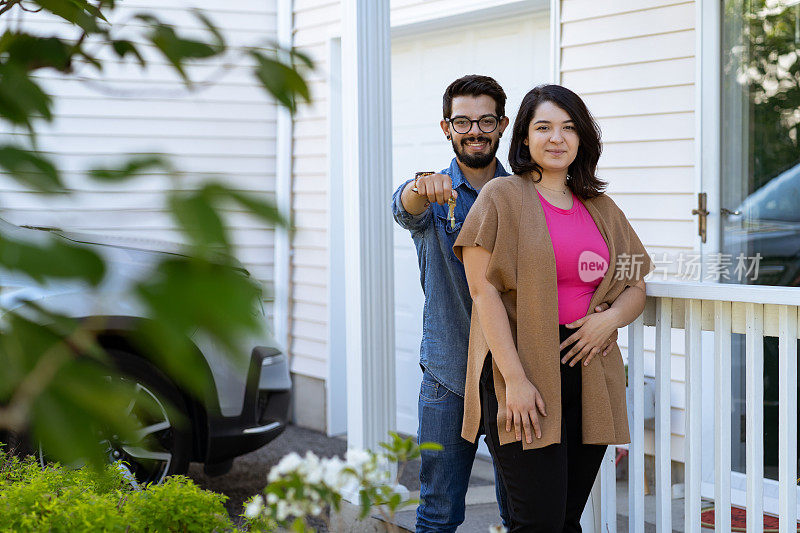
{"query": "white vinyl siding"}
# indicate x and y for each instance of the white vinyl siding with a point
(315, 22)
(633, 62)
(224, 130)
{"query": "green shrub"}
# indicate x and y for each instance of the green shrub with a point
(177, 505)
(59, 499)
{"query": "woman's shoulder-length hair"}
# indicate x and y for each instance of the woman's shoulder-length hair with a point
(582, 172)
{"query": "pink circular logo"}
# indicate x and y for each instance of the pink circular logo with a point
(591, 266)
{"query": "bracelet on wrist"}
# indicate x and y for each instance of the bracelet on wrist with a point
(417, 176)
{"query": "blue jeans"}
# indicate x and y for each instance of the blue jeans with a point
(444, 475)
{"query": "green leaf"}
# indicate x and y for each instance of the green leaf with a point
(123, 47)
(265, 210)
(54, 258)
(395, 501)
(22, 343)
(304, 58)
(431, 446)
(212, 29)
(174, 48)
(132, 167)
(21, 98)
(365, 504)
(30, 169)
(78, 12)
(30, 52)
(299, 526)
(280, 80)
(198, 219)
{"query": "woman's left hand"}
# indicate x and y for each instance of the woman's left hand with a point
(593, 332)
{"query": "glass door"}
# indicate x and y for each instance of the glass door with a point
(760, 186)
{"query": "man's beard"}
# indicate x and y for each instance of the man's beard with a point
(480, 160)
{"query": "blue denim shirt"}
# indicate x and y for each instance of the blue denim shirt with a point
(448, 305)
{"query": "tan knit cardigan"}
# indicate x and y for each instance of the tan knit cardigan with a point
(507, 220)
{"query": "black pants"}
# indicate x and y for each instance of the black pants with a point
(547, 488)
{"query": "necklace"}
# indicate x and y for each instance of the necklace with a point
(555, 190)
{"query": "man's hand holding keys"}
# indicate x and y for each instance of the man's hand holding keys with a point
(436, 188)
(427, 188)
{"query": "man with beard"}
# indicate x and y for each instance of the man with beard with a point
(474, 120)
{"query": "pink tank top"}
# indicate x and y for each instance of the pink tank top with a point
(581, 256)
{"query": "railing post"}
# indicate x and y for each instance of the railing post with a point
(636, 449)
(722, 417)
(663, 434)
(608, 492)
(694, 414)
(787, 418)
(754, 384)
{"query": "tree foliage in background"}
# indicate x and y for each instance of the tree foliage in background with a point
(53, 379)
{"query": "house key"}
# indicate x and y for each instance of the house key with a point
(451, 212)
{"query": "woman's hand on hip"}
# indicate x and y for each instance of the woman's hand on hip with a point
(596, 332)
(612, 339)
(523, 406)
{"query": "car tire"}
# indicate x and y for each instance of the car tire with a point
(167, 446)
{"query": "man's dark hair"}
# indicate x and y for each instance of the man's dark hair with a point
(474, 85)
(583, 180)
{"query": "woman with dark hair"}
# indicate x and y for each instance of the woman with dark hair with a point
(541, 250)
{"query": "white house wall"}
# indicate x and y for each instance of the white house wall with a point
(633, 61)
(225, 131)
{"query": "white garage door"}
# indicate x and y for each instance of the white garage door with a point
(513, 51)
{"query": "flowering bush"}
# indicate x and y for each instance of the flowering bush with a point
(301, 487)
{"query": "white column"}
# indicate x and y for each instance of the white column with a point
(369, 272)
(555, 41)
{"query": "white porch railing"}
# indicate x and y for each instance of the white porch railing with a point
(756, 312)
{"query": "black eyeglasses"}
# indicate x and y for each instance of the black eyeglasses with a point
(462, 124)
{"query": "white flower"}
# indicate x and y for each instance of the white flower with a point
(288, 463)
(357, 458)
(255, 507)
(282, 510)
(272, 498)
(311, 469)
(334, 475)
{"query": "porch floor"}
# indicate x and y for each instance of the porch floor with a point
(482, 509)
